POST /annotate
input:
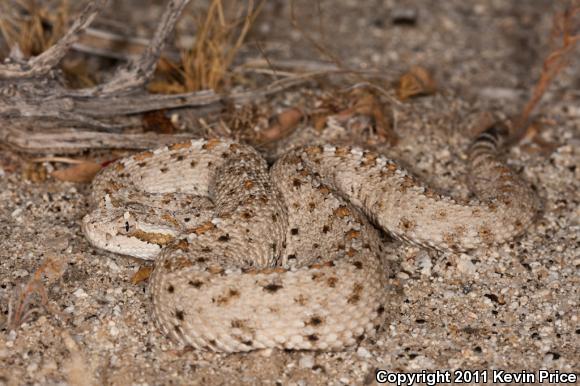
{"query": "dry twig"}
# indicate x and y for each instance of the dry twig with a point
(554, 63)
(138, 72)
(320, 47)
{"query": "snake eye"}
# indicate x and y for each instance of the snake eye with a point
(127, 226)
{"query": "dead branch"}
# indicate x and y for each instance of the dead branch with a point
(108, 44)
(49, 59)
(39, 114)
(25, 137)
(73, 141)
(138, 72)
(141, 103)
(34, 89)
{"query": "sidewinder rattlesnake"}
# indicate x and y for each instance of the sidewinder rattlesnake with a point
(250, 258)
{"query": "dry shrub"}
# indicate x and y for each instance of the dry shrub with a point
(33, 25)
(222, 29)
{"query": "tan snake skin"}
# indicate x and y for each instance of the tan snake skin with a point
(250, 258)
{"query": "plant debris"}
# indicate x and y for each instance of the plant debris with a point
(564, 27)
(222, 31)
(157, 121)
(142, 274)
(34, 172)
(83, 172)
(416, 82)
(22, 306)
(281, 125)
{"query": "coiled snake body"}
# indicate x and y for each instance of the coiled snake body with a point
(250, 258)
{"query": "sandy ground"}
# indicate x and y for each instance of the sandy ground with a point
(511, 308)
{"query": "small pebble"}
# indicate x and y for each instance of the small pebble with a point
(363, 352)
(114, 331)
(32, 367)
(424, 262)
(80, 293)
(69, 310)
(464, 265)
(11, 338)
(306, 362)
(404, 16)
(20, 273)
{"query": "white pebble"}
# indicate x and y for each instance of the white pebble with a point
(114, 331)
(11, 338)
(363, 353)
(69, 310)
(424, 261)
(306, 362)
(80, 293)
(31, 368)
(113, 266)
(464, 265)
(20, 273)
(403, 275)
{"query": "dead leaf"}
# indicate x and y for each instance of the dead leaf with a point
(82, 172)
(158, 122)
(142, 274)
(331, 103)
(416, 82)
(367, 104)
(533, 141)
(319, 121)
(282, 125)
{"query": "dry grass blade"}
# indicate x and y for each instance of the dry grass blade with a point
(222, 31)
(555, 62)
(36, 28)
(51, 57)
(320, 47)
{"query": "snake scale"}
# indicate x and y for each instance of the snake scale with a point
(249, 257)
